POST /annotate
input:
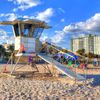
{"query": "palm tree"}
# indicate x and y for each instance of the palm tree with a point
(11, 48)
(64, 50)
(90, 55)
(81, 51)
(2, 52)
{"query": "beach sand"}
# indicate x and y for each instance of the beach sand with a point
(42, 86)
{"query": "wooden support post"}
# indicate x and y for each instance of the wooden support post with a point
(15, 65)
(53, 68)
(75, 73)
(48, 69)
(34, 66)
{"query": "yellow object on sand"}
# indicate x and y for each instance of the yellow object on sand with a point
(6, 75)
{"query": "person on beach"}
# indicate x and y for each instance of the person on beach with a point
(30, 59)
(95, 61)
(98, 61)
(13, 57)
(82, 65)
(61, 59)
(70, 64)
(58, 57)
(86, 63)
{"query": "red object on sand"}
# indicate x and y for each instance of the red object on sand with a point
(5, 69)
(82, 65)
(22, 47)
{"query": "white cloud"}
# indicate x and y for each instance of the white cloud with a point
(78, 35)
(5, 38)
(62, 20)
(25, 4)
(2, 15)
(25, 16)
(10, 0)
(12, 16)
(9, 16)
(2, 32)
(15, 9)
(81, 35)
(43, 38)
(80, 29)
(45, 15)
(90, 25)
(61, 10)
(10, 40)
(58, 37)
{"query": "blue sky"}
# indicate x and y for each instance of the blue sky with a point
(68, 18)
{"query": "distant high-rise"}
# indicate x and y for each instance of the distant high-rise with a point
(91, 43)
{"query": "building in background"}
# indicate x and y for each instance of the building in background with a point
(91, 43)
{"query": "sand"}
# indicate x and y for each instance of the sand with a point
(12, 89)
(44, 87)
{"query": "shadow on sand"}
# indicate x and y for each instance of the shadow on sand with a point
(96, 79)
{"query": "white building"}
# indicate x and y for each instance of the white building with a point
(91, 43)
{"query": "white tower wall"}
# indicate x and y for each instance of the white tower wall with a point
(28, 43)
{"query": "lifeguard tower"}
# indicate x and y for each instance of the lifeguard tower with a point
(26, 33)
